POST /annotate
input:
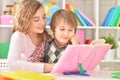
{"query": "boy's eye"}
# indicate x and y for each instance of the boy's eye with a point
(70, 30)
(61, 29)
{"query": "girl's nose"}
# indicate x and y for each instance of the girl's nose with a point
(42, 21)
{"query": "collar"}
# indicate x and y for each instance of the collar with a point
(59, 45)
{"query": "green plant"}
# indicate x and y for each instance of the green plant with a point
(111, 40)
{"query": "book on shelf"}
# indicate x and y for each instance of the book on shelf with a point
(82, 18)
(108, 17)
(118, 24)
(90, 22)
(115, 17)
(87, 55)
(85, 18)
(69, 7)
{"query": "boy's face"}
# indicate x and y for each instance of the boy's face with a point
(63, 32)
(38, 21)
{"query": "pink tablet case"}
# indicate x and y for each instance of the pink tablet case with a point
(89, 56)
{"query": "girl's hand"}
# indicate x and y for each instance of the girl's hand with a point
(74, 40)
(48, 67)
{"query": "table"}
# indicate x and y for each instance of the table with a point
(94, 75)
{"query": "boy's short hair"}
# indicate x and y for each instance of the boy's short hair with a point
(66, 15)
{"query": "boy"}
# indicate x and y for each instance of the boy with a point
(63, 25)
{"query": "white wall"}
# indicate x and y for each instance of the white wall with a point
(1, 7)
(3, 4)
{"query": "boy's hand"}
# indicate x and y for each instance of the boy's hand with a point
(74, 40)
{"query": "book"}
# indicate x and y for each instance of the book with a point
(71, 8)
(86, 22)
(67, 6)
(86, 19)
(3, 78)
(80, 18)
(81, 14)
(26, 75)
(118, 24)
(108, 17)
(87, 55)
(115, 17)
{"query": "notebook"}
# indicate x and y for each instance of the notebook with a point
(88, 55)
(26, 75)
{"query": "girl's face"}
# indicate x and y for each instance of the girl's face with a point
(38, 21)
(63, 32)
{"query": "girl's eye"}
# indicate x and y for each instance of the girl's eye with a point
(36, 19)
(44, 17)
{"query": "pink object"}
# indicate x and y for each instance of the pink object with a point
(6, 20)
(81, 38)
(89, 56)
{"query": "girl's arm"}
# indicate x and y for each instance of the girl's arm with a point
(20, 49)
(48, 67)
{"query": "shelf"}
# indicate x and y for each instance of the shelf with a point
(110, 61)
(108, 27)
(81, 27)
(86, 27)
(5, 26)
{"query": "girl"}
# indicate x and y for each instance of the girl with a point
(28, 33)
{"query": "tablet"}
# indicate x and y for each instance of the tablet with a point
(88, 55)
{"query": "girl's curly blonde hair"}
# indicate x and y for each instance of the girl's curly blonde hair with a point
(23, 14)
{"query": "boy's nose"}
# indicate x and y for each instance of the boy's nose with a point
(66, 33)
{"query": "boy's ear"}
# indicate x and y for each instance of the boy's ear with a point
(75, 30)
